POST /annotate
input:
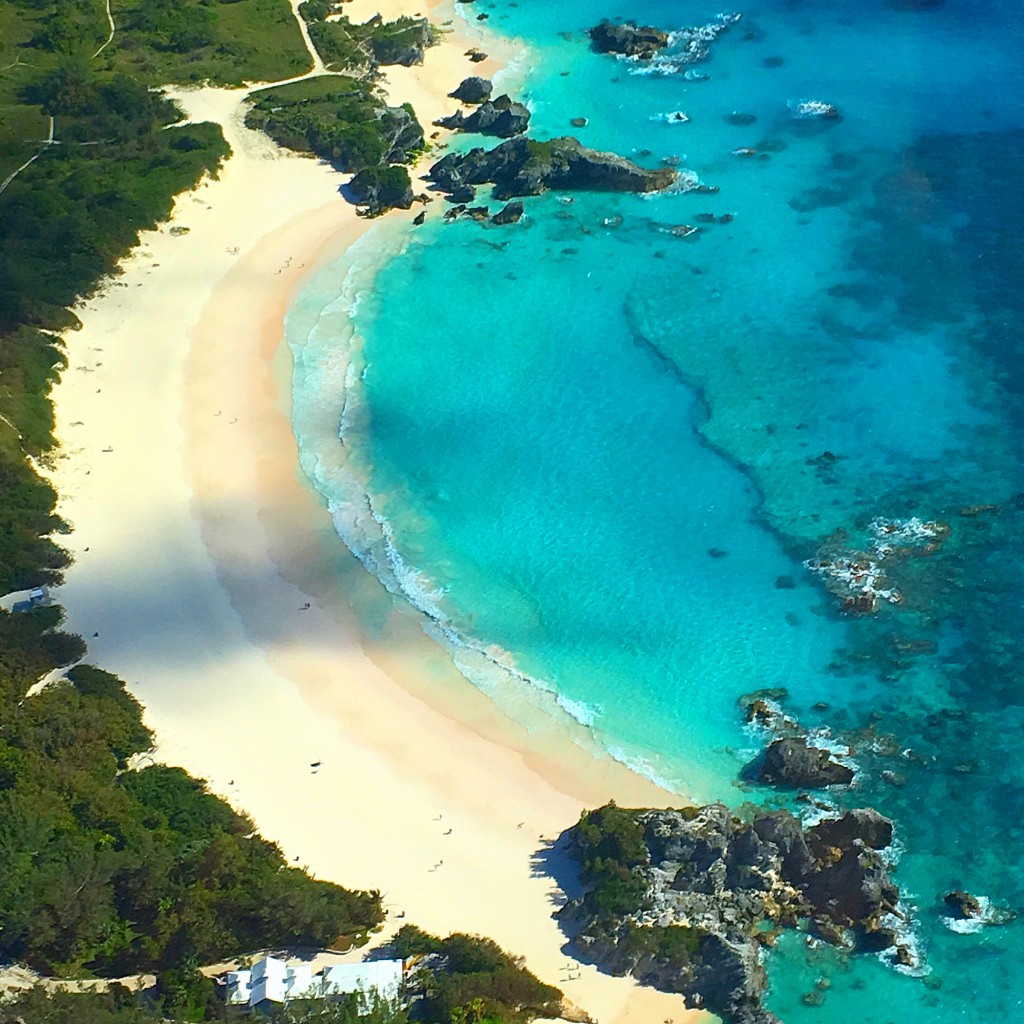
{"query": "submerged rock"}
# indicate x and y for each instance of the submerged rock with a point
(523, 167)
(792, 761)
(633, 40)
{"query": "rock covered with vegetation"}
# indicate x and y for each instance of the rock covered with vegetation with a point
(344, 45)
(684, 899)
(341, 119)
(525, 167)
(381, 188)
(469, 978)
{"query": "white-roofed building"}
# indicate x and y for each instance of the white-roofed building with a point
(272, 982)
(383, 977)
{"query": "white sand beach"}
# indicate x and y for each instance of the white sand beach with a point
(208, 576)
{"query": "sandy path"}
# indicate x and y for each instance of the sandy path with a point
(198, 548)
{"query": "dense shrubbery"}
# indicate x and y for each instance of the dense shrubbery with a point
(611, 845)
(65, 221)
(344, 120)
(344, 45)
(466, 978)
(178, 998)
(120, 870)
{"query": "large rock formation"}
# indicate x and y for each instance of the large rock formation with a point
(472, 90)
(403, 41)
(633, 40)
(402, 134)
(503, 117)
(381, 188)
(523, 167)
(679, 898)
(792, 761)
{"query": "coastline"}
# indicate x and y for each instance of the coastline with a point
(198, 547)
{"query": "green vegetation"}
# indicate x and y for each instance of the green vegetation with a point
(107, 867)
(611, 850)
(65, 221)
(226, 42)
(112, 869)
(344, 120)
(345, 46)
(121, 1006)
(466, 979)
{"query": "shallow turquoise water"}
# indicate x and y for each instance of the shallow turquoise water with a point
(595, 455)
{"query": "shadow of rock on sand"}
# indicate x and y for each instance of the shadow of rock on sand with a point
(554, 860)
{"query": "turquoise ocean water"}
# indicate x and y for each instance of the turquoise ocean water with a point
(596, 455)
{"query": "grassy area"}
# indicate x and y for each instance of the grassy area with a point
(342, 119)
(207, 40)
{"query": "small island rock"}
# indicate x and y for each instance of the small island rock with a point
(509, 214)
(633, 40)
(503, 117)
(962, 904)
(792, 761)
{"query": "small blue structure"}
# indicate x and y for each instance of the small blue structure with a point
(38, 598)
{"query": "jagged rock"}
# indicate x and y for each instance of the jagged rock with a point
(792, 761)
(406, 47)
(786, 834)
(874, 830)
(402, 134)
(854, 891)
(478, 213)
(523, 167)
(502, 117)
(634, 40)
(509, 214)
(472, 90)
(464, 194)
(678, 898)
(962, 904)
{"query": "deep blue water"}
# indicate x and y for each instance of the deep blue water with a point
(598, 454)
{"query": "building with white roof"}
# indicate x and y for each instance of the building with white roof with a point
(272, 982)
(381, 976)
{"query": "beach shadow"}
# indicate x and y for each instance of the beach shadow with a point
(553, 859)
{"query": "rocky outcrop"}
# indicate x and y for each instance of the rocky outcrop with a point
(503, 118)
(792, 761)
(399, 42)
(633, 40)
(962, 905)
(679, 898)
(509, 214)
(472, 90)
(402, 134)
(523, 167)
(381, 188)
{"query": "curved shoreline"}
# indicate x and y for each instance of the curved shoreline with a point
(206, 575)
